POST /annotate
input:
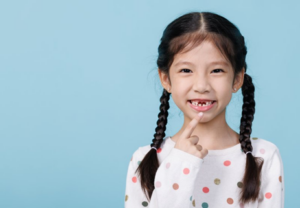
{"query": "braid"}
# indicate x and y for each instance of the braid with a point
(247, 113)
(162, 120)
(149, 165)
(251, 180)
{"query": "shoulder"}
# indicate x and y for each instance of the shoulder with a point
(272, 173)
(162, 152)
(263, 147)
(270, 154)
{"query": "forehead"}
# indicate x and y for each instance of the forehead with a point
(204, 54)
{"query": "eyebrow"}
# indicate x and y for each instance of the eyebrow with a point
(211, 63)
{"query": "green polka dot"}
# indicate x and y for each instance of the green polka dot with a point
(217, 181)
(194, 203)
(138, 162)
(145, 204)
(240, 184)
(191, 198)
(254, 138)
(242, 150)
(204, 205)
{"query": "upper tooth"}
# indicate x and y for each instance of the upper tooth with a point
(199, 104)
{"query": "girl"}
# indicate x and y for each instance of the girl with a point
(201, 62)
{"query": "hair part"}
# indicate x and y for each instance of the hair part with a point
(181, 35)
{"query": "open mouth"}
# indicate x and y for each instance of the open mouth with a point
(202, 103)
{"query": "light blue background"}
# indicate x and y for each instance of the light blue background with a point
(80, 92)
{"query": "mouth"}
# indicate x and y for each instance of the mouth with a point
(201, 105)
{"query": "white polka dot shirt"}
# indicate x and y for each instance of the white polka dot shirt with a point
(186, 181)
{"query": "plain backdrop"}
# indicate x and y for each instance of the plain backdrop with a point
(79, 92)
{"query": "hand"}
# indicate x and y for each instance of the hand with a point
(188, 143)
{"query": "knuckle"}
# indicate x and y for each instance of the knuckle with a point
(191, 144)
(196, 137)
(193, 148)
(198, 154)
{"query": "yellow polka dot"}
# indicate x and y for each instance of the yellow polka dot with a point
(217, 181)
(194, 203)
(126, 197)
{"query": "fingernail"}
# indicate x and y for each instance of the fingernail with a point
(200, 114)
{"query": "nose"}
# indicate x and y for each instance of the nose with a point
(201, 84)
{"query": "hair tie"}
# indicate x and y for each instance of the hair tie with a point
(248, 152)
(153, 148)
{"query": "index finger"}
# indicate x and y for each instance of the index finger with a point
(191, 126)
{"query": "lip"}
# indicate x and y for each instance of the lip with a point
(202, 100)
(202, 108)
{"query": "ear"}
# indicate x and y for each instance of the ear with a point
(239, 80)
(165, 82)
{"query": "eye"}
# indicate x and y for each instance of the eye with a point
(185, 70)
(218, 69)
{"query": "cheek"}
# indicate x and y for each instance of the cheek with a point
(180, 89)
(224, 93)
(178, 95)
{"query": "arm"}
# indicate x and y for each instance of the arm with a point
(134, 195)
(174, 182)
(273, 183)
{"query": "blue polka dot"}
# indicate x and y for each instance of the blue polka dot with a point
(204, 205)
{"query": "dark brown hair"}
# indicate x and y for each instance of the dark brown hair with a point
(181, 35)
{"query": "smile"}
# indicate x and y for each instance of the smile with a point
(201, 106)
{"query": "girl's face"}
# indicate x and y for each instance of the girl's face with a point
(206, 74)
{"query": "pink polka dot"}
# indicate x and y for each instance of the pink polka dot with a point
(268, 195)
(227, 163)
(230, 201)
(205, 189)
(167, 165)
(262, 151)
(241, 205)
(134, 179)
(158, 150)
(157, 184)
(175, 186)
(186, 171)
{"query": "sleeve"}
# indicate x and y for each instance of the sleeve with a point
(273, 183)
(174, 182)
